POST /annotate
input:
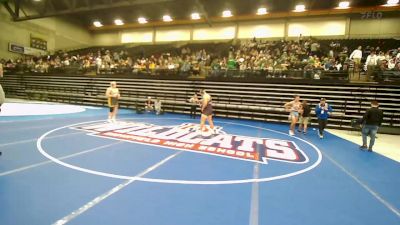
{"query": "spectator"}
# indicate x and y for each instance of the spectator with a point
(356, 56)
(371, 65)
(158, 106)
(149, 105)
(322, 111)
(194, 101)
(371, 122)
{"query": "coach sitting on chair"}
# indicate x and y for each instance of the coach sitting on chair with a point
(149, 104)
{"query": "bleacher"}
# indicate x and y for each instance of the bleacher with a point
(256, 101)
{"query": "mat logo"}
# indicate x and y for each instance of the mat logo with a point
(186, 137)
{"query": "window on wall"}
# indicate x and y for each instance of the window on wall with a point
(137, 37)
(261, 30)
(173, 35)
(317, 28)
(214, 33)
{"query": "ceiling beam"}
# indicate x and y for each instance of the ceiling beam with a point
(94, 7)
(251, 17)
(10, 10)
(203, 12)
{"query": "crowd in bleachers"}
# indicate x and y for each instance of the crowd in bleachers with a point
(251, 55)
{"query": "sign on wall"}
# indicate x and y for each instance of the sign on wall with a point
(38, 43)
(17, 48)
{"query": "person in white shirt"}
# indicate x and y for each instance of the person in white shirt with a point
(371, 63)
(392, 63)
(398, 56)
(356, 56)
(380, 58)
(157, 106)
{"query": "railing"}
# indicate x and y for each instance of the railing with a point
(195, 74)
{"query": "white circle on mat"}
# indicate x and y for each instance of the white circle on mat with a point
(169, 181)
(37, 109)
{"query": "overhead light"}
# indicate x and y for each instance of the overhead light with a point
(391, 3)
(261, 11)
(118, 22)
(37, 0)
(142, 20)
(97, 24)
(167, 18)
(300, 8)
(226, 13)
(344, 5)
(195, 16)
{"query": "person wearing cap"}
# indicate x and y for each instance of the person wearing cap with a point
(371, 122)
(322, 111)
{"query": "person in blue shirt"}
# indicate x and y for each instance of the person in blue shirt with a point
(323, 110)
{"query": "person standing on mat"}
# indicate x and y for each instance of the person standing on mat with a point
(206, 111)
(113, 96)
(371, 122)
(294, 108)
(322, 111)
(194, 101)
(304, 117)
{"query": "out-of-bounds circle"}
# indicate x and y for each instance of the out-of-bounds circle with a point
(169, 181)
(38, 109)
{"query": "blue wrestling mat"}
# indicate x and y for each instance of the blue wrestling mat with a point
(159, 170)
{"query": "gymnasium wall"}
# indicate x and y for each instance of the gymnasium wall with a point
(322, 27)
(58, 33)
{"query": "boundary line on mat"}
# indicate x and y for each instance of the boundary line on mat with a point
(254, 202)
(20, 169)
(170, 181)
(35, 139)
(365, 186)
(114, 190)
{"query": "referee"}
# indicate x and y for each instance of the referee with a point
(371, 122)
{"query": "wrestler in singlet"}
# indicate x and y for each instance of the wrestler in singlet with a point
(112, 99)
(206, 112)
(113, 96)
(207, 109)
(294, 107)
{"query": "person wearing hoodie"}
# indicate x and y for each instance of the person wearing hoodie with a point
(323, 110)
